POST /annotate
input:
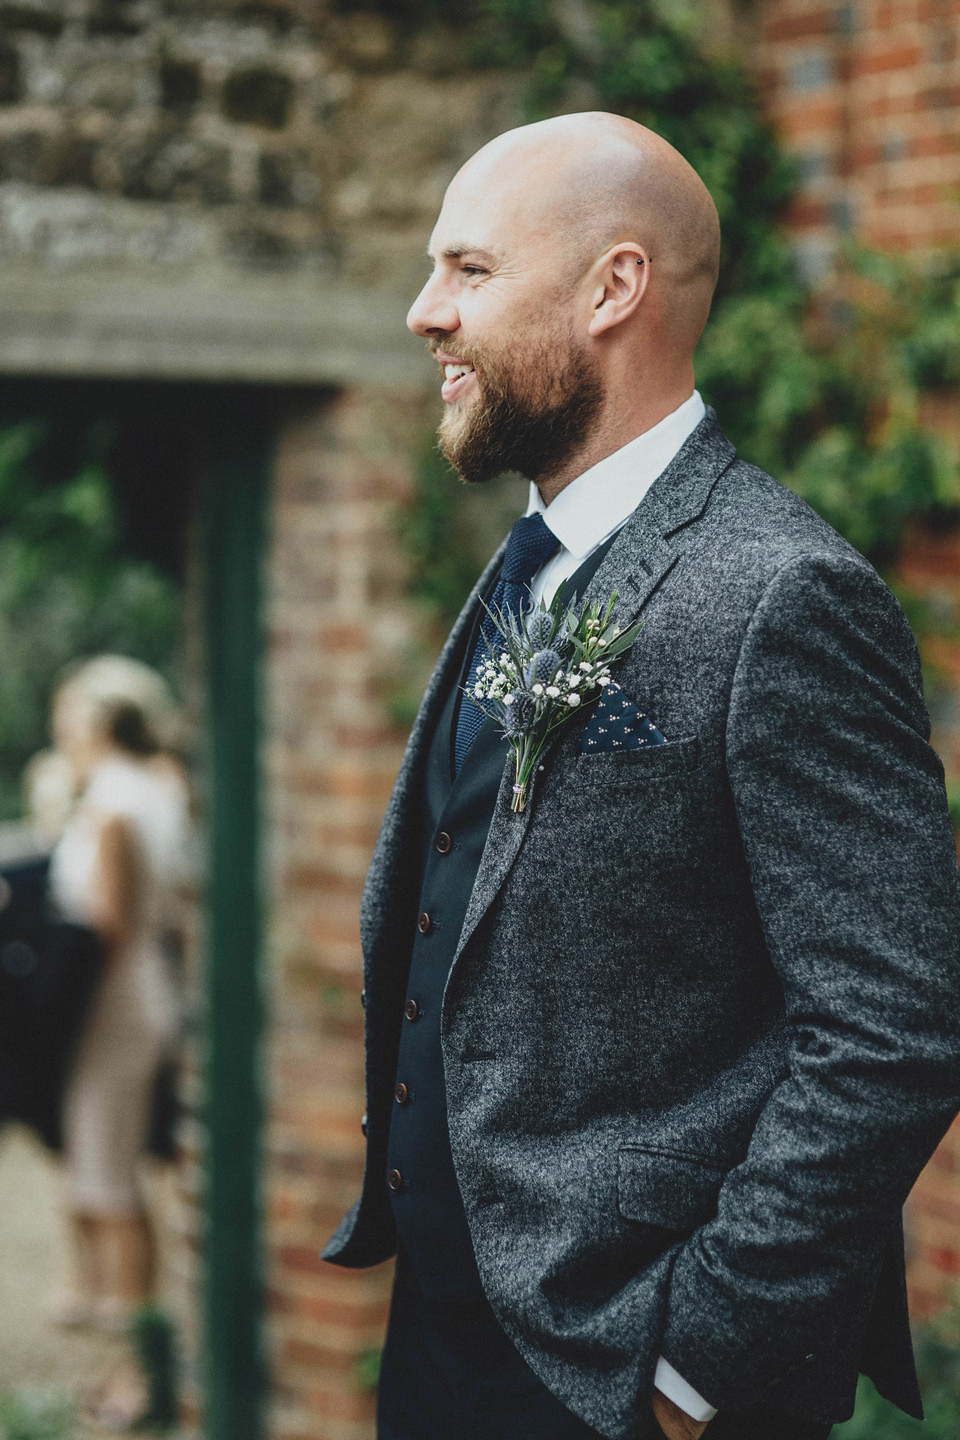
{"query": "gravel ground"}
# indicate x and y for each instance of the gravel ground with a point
(35, 1354)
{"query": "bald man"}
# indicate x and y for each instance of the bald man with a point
(653, 1063)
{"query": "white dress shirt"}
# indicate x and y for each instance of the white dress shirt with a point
(602, 499)
(585, 513)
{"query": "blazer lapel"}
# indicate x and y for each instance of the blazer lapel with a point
(642, 555)
(651, 542)
(656, 557)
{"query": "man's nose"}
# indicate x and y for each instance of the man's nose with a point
(432, 313)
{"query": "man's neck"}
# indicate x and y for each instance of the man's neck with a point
(616, 428)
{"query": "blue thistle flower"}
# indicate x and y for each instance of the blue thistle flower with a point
(539, 629)
(541, 668)
(518, 713)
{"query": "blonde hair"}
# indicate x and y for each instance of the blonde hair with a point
(123, 700)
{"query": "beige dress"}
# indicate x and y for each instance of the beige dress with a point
(134, 1018)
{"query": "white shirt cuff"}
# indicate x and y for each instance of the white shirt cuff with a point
(669, 1383)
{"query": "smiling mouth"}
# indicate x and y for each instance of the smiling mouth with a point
(456, 380)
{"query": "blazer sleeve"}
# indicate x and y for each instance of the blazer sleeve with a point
(843, 816)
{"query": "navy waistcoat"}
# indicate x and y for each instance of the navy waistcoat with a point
(421, 1180)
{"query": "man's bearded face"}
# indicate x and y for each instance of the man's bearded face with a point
(530, 414)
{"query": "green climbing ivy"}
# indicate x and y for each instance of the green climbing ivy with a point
(829, 394)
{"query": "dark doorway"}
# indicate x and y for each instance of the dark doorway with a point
(188, 467)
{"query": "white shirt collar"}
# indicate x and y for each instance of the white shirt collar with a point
(599, 501)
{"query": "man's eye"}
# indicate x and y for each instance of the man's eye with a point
(473, 270)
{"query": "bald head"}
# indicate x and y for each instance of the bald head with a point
(593, 180)
(574, 262)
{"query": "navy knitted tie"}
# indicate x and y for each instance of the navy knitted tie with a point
(529, 545)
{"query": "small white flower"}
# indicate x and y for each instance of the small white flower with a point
(478, 691)
(504, 658)
(538, 689)
(603, 679)
(573, 680)
(573, 700)
(585, 666)
(509, 699)
(553, 691)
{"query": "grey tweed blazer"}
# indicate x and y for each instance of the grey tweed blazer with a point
(703, 1027)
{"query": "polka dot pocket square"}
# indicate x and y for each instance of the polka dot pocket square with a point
(617, 724)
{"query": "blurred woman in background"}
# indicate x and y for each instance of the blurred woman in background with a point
(119, 865)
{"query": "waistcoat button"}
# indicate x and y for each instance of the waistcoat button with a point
(424, 923)
(444, 842)
(395, 1180)
(363, 1124)
(401, 1094)
(411, 1009)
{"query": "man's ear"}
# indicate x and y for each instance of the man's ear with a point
(621, 283)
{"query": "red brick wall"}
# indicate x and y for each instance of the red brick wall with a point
(933, 1230)
(867, 96)
(339, 636)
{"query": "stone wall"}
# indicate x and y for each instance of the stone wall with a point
(253, 182)
(278, 136)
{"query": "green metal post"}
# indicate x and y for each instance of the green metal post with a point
(234, 524)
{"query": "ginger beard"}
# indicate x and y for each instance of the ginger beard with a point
(530, 419)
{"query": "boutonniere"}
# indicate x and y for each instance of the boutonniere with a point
(543, 668)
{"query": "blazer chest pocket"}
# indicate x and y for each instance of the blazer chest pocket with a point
(635, 767)
(665, 1188)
